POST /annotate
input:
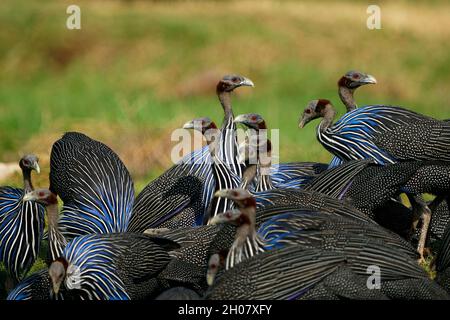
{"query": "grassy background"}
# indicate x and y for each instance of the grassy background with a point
(139, 69)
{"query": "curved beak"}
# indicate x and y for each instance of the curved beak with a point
(240, 118)
(247, 82)
(210, 276)
(212, 271)
(29, 196)
(369, 79)
(36, 167)
(188, 125)
(56, 287)
(302, 123)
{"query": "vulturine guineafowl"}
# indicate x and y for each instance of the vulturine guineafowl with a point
(293, 173)
(291, 227)
(294, 272)
(21, 223)
(374, 187)
(386, 134)
(118, 266)
(94, 184)
(147, 212)
(347, 85)
(56, 240)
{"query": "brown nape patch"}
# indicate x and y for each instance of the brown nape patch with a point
(262, 125)
(243, 219)
(52, 198)
(249, 202)
(212, 125)
(221, 87)
(343, 82)
(321, 104)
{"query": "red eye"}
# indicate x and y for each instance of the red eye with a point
(235, 79)
(355, 76)
(307, 111)
(253, 118)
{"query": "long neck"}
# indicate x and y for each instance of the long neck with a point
(347, 98)
(57, 241)
(265, 181)
(247, 242)
(328, 117)
(225, 101)
(222, 179)
(248, 176)
(228, 148)
(27, 185)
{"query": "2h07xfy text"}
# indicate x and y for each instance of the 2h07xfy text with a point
(226, 309)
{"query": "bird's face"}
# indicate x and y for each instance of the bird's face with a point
(200, 124)
(242, 198)
(355, 79)
(30, 162)
(226, 217)
(213, 268)
(251, 120)
(44, 196)
(57, 273)
(231, 82)
(315, 109)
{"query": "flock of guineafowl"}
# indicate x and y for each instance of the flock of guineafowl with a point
(224, 224)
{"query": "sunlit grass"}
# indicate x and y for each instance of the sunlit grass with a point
(139, 69)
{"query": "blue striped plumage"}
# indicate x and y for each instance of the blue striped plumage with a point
(386, 134)
(94, 184)
(21, 231)
(118, 266)
(34, 287)
(93, 258)
(200, 165)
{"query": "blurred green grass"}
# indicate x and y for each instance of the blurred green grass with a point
(133, 63)
(139, 69)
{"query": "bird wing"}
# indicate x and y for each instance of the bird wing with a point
(94, 184)
(335, 181)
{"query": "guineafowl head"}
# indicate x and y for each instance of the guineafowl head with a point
(201, 124)
(231, 82)
(216, 261)
(355, 79)
(57, 272)
(251, 120)
(30, 162)
(43, 196)
(242, 198)
(315, 109)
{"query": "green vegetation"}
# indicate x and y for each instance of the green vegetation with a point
(139, 69)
